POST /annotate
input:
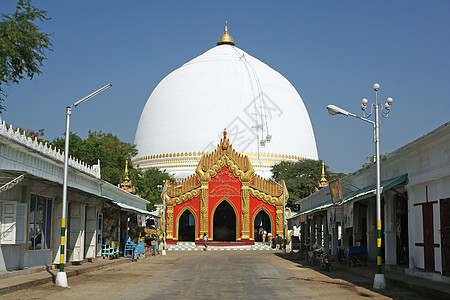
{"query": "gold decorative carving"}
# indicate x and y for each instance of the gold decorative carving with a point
(274, 201)
(245, 209)
(185, 197)
(169, 223)
(204, 209)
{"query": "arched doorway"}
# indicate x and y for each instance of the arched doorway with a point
(262, 222)
(186, 227)
(224, 223)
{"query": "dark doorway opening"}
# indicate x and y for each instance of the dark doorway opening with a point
(262, 222)
(445, 236)
(401, 215)
(186, 227)
(224, 223)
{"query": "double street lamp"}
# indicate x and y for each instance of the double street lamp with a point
(379, 280)
(163, 187)
(61, 277)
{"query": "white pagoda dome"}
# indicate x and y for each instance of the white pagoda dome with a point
(224, 88)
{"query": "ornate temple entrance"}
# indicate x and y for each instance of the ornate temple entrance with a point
(224, 199)
(186, 227)
(224, 223)
(262, 222)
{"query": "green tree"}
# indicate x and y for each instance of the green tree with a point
(105, 147)
(372, 159)
(22, 45)
(146, 184)
(301, 177)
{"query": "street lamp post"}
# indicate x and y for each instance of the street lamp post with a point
(164, 213)
(61, 276)
(284, 212)
(379, 280)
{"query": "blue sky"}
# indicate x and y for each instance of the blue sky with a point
(331, 51)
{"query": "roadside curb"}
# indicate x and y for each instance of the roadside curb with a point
(420, 289)
(403, 284)
(43, 277)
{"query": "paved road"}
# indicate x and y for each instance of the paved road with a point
(212, 275)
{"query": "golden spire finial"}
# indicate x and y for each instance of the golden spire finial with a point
(126, 170)
(323, 181)
(226, 39)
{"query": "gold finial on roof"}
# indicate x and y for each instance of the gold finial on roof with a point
(323, 181)
(126, 170)
(225, 39)
(126, 184)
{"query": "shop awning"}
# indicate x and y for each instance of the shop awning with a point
(371, 190)
(318, 208)
(131, 208)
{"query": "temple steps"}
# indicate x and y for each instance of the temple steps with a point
(218, 246)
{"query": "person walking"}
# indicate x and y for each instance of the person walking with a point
(205, 238)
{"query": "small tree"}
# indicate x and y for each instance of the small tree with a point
(107, 147)
(22, 45)
(301, 177)
(146, 184)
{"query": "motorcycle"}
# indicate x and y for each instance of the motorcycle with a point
(322, 258)
(324, 262)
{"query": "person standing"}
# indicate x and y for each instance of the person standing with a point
(264, 236)
(269, 238)
(205, 238)
(153, 246)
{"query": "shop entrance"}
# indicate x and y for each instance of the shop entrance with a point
(186, 227)
(224, 223)
(262, 222)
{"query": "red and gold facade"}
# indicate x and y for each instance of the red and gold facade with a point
(224, 175)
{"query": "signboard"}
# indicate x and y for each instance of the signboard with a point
(336, 191)
(348, 215)
(295, 241)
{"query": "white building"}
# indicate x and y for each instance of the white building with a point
(225, 87)
(415, 182)
(31, 178)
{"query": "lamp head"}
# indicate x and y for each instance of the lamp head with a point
(389, 101)
(376, 87)
(333, 110)
(364, 104)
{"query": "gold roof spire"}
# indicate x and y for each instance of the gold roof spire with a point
(226, 39)
(126, 184)
(126, 170)
(323, 181)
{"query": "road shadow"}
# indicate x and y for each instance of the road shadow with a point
(358, 276)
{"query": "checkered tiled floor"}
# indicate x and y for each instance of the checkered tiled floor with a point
(190, 246)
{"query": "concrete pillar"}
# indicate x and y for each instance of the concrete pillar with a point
(302, 233)
(357, 226)
(326, 234)
(312, 226)
(307, 231)
(319, 226)
(334, 240)
(390, 229)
